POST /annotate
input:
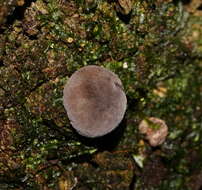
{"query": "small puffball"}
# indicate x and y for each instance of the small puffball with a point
(155, 130)
(94, 100)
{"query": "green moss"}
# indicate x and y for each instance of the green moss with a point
(155, 50)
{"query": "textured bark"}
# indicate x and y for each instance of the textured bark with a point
(153, 46)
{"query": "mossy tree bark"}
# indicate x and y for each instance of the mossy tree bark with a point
(153, 46)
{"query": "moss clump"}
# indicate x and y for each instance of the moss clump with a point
(155, 50)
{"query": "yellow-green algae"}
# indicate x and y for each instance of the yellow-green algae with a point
(155, 50)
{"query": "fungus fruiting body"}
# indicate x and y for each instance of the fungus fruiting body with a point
(124, 6)
(94, 100)
(155, 130)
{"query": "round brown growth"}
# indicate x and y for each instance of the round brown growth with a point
(94, 100)
(155, 130)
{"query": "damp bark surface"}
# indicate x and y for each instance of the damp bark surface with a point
(153, 46)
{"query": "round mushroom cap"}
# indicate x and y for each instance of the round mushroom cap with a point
(155, 130)
(94, 100)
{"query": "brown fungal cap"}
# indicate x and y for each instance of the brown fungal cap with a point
(155, 130)
(94, 100)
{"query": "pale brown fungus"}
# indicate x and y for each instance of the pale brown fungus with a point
(155, 130)
(94, 100)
